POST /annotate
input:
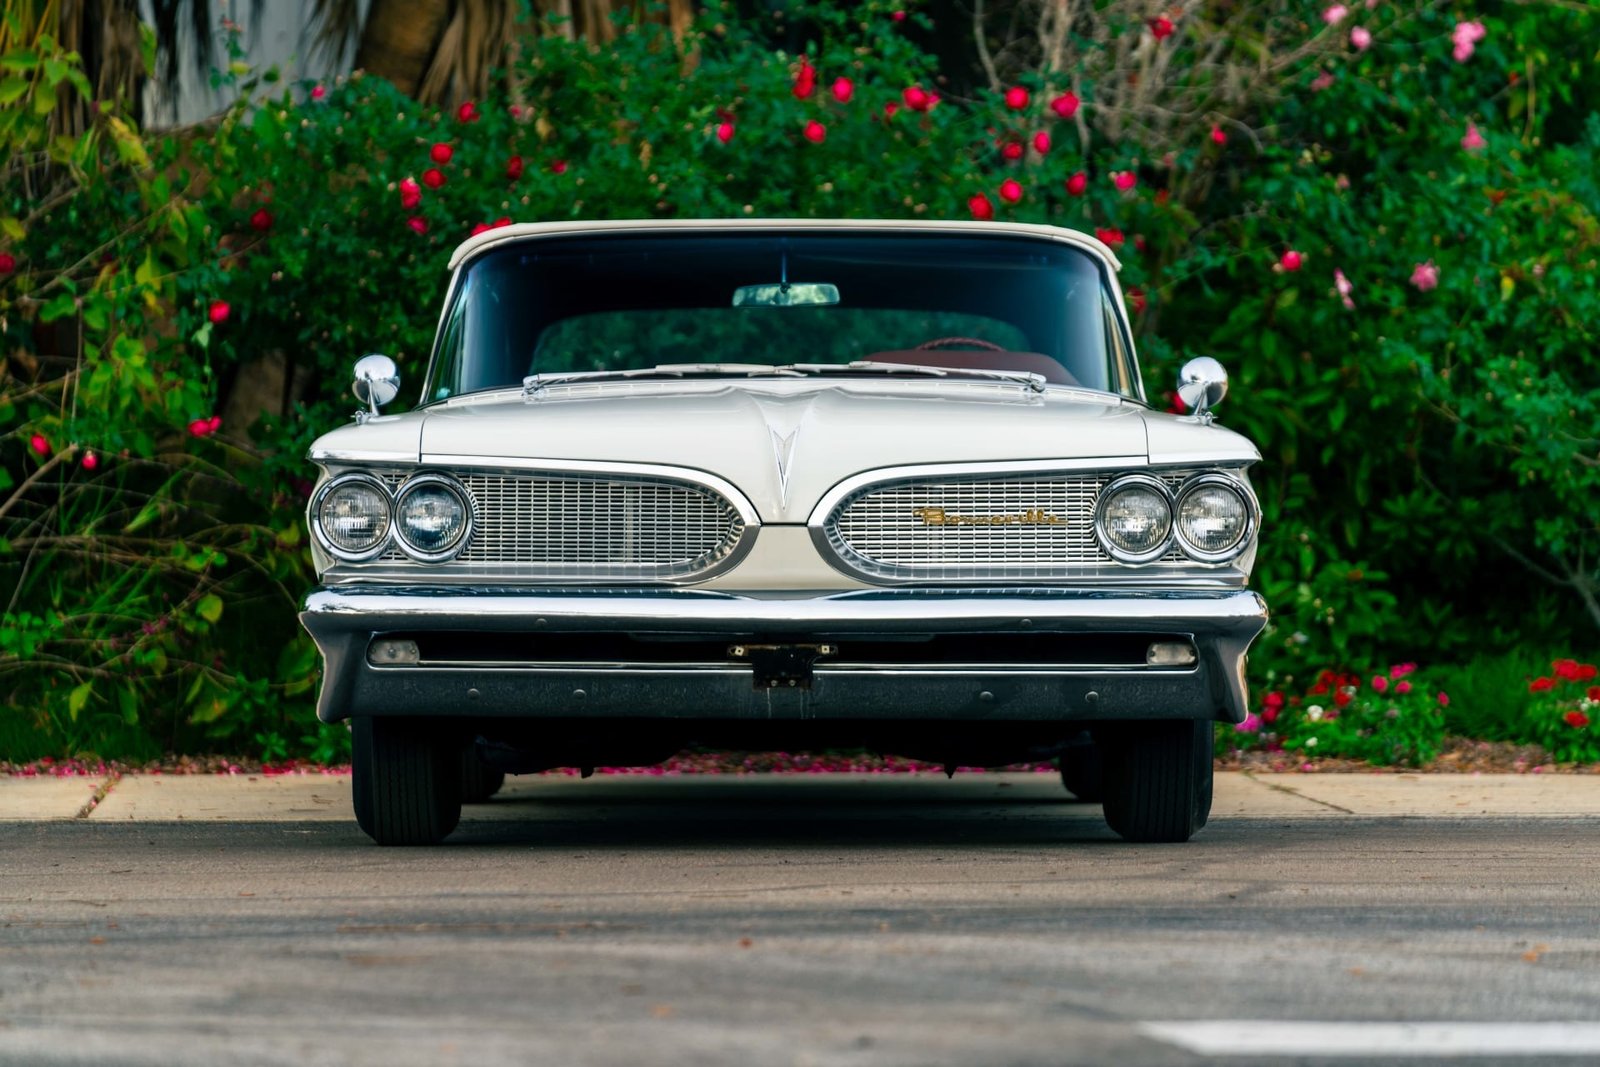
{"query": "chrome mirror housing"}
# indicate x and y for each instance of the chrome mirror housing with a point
(1202, 383)
(377, 381)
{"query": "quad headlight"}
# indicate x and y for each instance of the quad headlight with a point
(1134, 519)
(1214, 518)
(356, 517)
(351, 517)
(1139, 518)
(433, 517)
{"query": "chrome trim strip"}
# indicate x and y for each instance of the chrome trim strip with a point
(473, 246)
(523, 465)
(325, 456)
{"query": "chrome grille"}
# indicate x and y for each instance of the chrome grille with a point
(1028, 526)
(589, 526)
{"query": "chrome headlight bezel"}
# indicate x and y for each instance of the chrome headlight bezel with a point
(1252, 518)
(1117, 485)
(326, 543)
(469, 516)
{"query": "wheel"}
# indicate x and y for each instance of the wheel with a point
(478, 782)
(1081, 771)
(405, 781)
(1158, 780)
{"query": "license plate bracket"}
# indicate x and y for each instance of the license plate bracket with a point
(781, 666)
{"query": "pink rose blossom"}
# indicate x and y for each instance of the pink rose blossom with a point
(1078, 184)
(917, 98)
(1290, 261)
(1010, 191)
(1017, 98)
(1380, 684)
(725, 132)
(1342, 286)
(1251, 724)
(1322, 81)
(318, 92)
(1465, 38)
(1065, 105)
(1361, 38)
(1124, 180)
(843, 89)
(1217, 136)
(815, 132)
(1011, 150)
(417, 224)
(1444, 700)
(1161, 27)
(1425, 276)
(1334, 14)
(1473, 141)
(1041, 142)
(90, 461)
(218, 311)
(1402, 687)
(981, 206)
(40, 444)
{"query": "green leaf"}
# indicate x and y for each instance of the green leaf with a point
(54, 71)
(11, 89)
(209, 608)
(21, 59)
(12, 228)
(78, 698)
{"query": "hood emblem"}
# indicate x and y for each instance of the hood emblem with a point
(1030, 517)
(783, 456)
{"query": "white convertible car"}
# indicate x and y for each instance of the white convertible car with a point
(797, 484)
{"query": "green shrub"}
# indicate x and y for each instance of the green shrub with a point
(1562, 712)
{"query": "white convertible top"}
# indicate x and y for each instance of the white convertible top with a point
(524, 230)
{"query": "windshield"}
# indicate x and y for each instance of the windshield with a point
(628, 302)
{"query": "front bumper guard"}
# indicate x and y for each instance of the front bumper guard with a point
(343, 621)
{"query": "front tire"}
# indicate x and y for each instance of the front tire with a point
(478, 781)
(1158, 780)
(1081, 770)
(405, 781)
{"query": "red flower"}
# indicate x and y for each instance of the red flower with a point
(1273, 700)
(1161, 27)
(1010, 191)
(918, 99)
(1124, 180)
(1136, 300)
(1593, 694)
(261, 221)
(843, 89)
(815, 132)
(1011, 150)
(514, 168)
(980, 206)
(482, 227)
(724, 132)
(890, 108)
(441, 153)
(1541, 685)
(1402, 687)
(1041, 142)
(200, 428)
(90, 461)
(433, 178)
(1078, 184)
(503, 220)
(410, 193)
(1269, 714)
(805, 82)
(467, 112)
(1110, 237)
(40, 444)
(8, 263)
(1342, 697)
(418, 224)
(1017, 98)
(217, 312)
(1380, 684)
(1566, 669)
(318, 92)
(558, 167)
(1065, 105)
(898, 16)
(1217, 136)
(1576, 719)
(1291, 260)
(1444, 700)
(1586, 671)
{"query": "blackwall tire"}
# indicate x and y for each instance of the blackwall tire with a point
(478, 782)
(1082, 772)
(405, 781)
(1158, 780)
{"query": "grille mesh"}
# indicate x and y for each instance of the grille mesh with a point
(1016, 526)
(583, 525)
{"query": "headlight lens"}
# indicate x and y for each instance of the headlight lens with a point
(1135, 520)
(433, 517)
(1213, 519)
(353, 518)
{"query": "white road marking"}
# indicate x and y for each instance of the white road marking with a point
(1252, 1037)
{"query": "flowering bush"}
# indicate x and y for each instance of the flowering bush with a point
(1387, 718)
(1563, 712)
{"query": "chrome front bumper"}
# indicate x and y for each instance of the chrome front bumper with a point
(344, 621)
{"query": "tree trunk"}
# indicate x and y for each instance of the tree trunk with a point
(399, 39)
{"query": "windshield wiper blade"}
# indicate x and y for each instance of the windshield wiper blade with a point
(1035, 382)
(534, 384)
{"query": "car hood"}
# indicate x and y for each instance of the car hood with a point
(785, 443)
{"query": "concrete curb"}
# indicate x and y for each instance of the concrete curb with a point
(300, 798)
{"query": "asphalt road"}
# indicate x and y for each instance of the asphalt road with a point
(711, 923)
